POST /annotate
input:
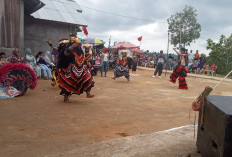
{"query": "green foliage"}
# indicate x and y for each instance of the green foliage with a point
(221, 54)
(184, 24)
(203, 55)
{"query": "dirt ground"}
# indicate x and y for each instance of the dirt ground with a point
(39, 123)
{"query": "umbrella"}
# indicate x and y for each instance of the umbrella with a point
(136, 50)
(94, 41)
(124, 45)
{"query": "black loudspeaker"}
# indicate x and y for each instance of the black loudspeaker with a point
(214, 137)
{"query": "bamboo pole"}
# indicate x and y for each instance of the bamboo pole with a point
(167, 54)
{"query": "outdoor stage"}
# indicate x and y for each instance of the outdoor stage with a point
(40, 124)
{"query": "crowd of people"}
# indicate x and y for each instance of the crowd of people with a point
(71, 65)
(41, 62)
(196, 62)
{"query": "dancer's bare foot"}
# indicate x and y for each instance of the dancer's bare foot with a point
(66, 99)
(128, 80)
(113, 78)
(88, 95)
(53, 84)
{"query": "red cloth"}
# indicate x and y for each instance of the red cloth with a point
(85, 30)
(214, 68)
(140, 38)
(104, 50)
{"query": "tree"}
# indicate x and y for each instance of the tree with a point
(183, 27)
(221, 54)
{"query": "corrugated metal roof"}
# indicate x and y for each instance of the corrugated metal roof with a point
(32, 6)
(67, 11)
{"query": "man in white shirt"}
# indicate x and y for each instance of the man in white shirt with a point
(105, 62)
(191, 57)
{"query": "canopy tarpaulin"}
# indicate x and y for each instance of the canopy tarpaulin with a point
(124, 45)
(136, 50)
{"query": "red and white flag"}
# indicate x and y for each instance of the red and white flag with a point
(85, 30)
(140, 38)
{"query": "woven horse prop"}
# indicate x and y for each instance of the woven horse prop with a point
(15, 79)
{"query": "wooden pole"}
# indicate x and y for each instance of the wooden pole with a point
(167, 54)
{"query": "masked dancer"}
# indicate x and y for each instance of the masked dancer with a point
(74, 77)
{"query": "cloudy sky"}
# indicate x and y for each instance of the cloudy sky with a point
(213, 15)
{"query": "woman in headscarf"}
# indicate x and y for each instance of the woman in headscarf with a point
(31, 61)
(74, 77)
(48, 59)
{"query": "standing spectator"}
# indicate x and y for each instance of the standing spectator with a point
(55, 52)
(191, 58)
(55, 55)
(196, 55)
(97, 64)
(154, 60)
(134, 62)
(31, 61)
(105, 62)
(160, 63)
(201, 64)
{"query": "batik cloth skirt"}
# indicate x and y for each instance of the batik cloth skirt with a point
(74, 80)
(120, 71)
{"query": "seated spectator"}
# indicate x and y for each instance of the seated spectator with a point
(205, 69)
(150, 62)
(43, 66)
(3, 59)
(213, 69)
(195, 66)
(30, 60)
(2, 56)
(15, 57)
(48, 59)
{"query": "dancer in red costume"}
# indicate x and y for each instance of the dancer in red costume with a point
(74, 77)
(180, 71)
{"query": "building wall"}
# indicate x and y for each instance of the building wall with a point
(37, 31)
(10, 24)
